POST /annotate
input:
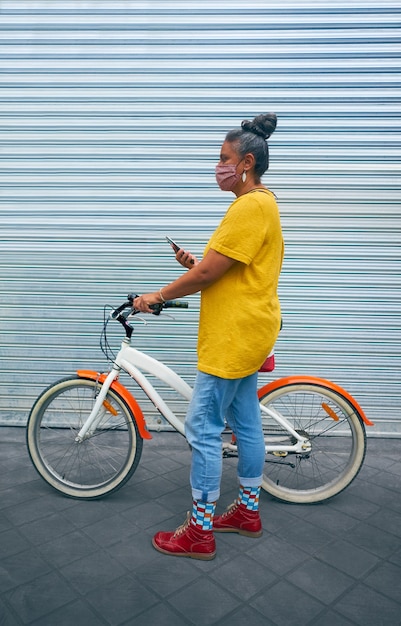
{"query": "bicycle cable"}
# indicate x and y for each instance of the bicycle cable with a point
(104, 342)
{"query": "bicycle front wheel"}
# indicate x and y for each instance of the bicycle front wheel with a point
(335, 430)
(103, 461)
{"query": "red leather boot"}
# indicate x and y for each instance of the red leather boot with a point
(187, 541)
(237, 519)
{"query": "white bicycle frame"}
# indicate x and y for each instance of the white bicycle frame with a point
(134, 362)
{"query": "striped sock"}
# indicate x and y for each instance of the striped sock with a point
(202, 514)
(249, 497)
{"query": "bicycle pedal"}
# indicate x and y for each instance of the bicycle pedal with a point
(280, 453)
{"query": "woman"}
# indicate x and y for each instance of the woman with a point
(239, 323)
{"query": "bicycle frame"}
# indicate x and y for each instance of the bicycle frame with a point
(133, 361)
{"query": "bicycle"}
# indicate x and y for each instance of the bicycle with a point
(85, 433)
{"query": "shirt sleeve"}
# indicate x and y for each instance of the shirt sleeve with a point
(242, 231)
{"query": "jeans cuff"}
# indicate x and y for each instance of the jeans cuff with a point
(206, 496)
(251, 482)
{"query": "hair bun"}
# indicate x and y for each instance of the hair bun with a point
(262, 125)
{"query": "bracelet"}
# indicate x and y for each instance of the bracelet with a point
(161, 296)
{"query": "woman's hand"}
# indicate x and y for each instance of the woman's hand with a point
(142, 303)
(186, 259)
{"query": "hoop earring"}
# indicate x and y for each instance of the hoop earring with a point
(243, 176)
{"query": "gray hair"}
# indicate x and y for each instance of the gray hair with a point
(251, 138)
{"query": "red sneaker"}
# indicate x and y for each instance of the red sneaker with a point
(237, 519)
(187, 541)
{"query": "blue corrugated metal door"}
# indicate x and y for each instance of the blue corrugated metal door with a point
(112, 115)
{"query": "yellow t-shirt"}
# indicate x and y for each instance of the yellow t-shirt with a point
(240, 313)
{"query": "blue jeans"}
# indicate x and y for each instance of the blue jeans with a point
(213, 400)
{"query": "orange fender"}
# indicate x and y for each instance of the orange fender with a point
(290, 380)
(126, 395)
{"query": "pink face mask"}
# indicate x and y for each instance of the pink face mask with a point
(226, 176)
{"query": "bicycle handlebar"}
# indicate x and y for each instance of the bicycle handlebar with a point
(118, 315)
(157, 308)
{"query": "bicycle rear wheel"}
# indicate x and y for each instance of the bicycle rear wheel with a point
(337, 435)
(103, 461)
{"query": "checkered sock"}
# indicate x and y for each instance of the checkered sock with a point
(202, 514)
(249, 497)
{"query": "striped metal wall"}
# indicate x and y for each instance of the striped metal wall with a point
(111, 119)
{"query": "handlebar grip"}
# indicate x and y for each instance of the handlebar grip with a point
(175, 304)
(156, 308)
(169, 304)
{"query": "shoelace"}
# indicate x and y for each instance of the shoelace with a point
(183, 526)
(230, 509)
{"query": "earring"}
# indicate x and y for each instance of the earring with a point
(244, 176)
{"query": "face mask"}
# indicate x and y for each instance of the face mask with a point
(227, 177)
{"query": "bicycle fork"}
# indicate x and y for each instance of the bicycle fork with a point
(98, 409)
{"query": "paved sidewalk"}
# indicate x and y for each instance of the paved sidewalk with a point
(73, 563)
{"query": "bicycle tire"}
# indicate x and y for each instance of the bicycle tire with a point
(99, 465)
(337, 434)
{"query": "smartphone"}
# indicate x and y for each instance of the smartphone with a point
(176, 247)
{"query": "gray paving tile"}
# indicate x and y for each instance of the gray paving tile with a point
(21, 568)
(11, 495)
(134, 552)
(77, 613)
(373, 539)
(121, 600)
(67, 561)
(365, 607)
(12, 542)
(203, 604)
(177, 501)
(322, 516)
(277, 555)
(155, 487)
(48, 528)
(320, 580)
(305, 534)
(165, 576)
(276, 516)
(170, 463)
(243, 576)
(67, 548)
(286, 605)
(107, 532)
(352, 505)
(146, 515)
(160, 615)
(86, 512)
(92, 571)
(395, 557)
(380, 461)
(31, 511)
(331, 618)
(245, 615)
(5, 523)
(390, 522)
(384, 498)
(40, 597)
(348, 558)
(388, 480)
(396, 467)
(387, 579)
(7, 617)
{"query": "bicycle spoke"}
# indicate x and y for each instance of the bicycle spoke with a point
(333, 430)
(95, 464)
